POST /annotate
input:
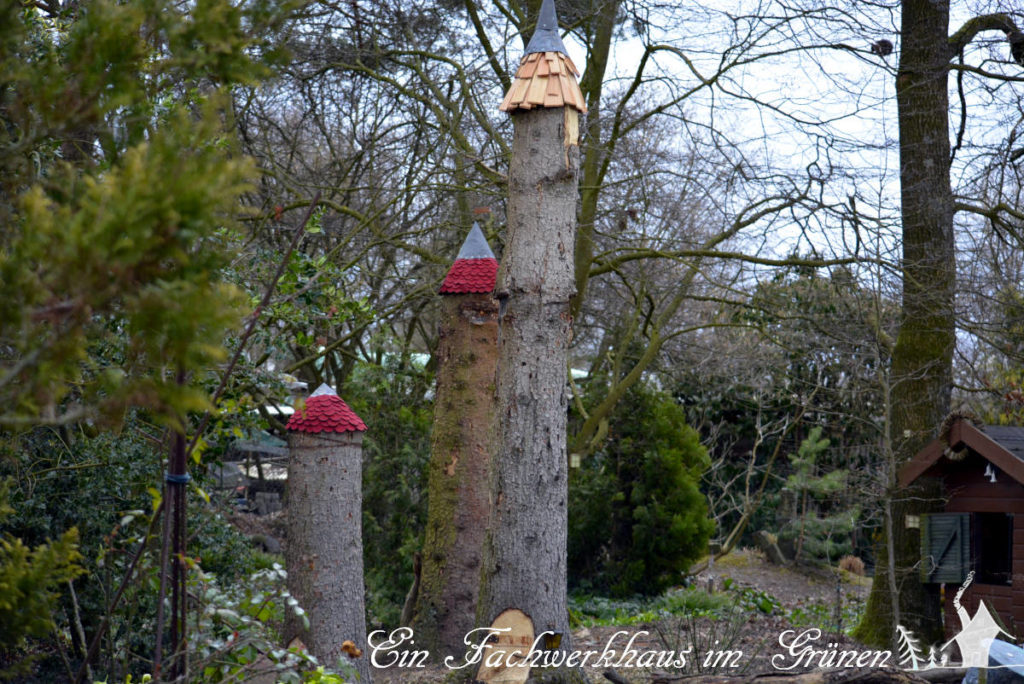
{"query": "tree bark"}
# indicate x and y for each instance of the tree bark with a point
(525, 555)
(459, 480)
(922, 360)
(324, 553)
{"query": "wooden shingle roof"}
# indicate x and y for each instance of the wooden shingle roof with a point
(544, 79)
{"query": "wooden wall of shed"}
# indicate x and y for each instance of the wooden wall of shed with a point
(970, 491)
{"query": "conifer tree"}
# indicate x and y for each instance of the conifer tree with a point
(119, 187)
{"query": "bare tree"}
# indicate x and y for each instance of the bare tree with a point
(922, 363)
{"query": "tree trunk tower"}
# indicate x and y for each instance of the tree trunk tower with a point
(525, 554)
(461, 452)
(324, 553)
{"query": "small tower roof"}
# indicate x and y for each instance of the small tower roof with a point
(475, 245)
(475, 269)
(325, 412)
(545, 36)
(546, 77)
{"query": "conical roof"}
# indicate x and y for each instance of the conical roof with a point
(475, 269)
(325, 412)
(546, 77)
(545, 36)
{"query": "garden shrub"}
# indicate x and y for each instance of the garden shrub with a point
(637, 518)
(102, 488)
(393, 401)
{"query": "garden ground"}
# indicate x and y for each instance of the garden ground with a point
(753, 603)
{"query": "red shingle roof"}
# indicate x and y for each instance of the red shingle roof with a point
(325, 412)
(475, 268)
(470, 275)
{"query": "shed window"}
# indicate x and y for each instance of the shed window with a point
(945, 547)
(993, 548)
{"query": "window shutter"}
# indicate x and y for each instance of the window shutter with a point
(945, 547)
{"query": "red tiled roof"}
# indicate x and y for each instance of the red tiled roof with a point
(470, 275)
(325, 412)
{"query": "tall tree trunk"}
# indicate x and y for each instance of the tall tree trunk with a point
(525, 558)
(324, 553)
(922, 360)
(460, 463)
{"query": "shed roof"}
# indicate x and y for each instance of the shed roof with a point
(325, 412)
(1001, 445)
(475, 269)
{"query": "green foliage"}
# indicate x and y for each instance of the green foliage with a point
(64, 480)
(30, 579)
(310, 306)
(804, 462)
(591, 611)
(118, 187)
(396, 450)
(636, 516)
(691, 601)
(807, 343)
(158, 280)
(237, 631)
(145, 679)
(826, 618)
(818, 536)
(103, 488)
(715, 632)
(753, 600)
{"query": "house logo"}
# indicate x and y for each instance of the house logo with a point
(976, 633)
(975, 639)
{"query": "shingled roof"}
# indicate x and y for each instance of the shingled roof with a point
(1001, 445)
(546, 76)
(325, 412)
(475, 268)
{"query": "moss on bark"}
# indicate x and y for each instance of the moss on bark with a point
(921, 376)
(459, 477)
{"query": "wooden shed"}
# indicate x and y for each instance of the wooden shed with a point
(982, 470)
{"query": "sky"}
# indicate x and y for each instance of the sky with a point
(834, 106)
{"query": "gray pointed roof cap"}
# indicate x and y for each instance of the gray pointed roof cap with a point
(323, 389)
(475, 246)
(545, 37)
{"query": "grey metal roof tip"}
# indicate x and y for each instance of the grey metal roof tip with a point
(546, 37)
(475, 246)
(323, 389)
